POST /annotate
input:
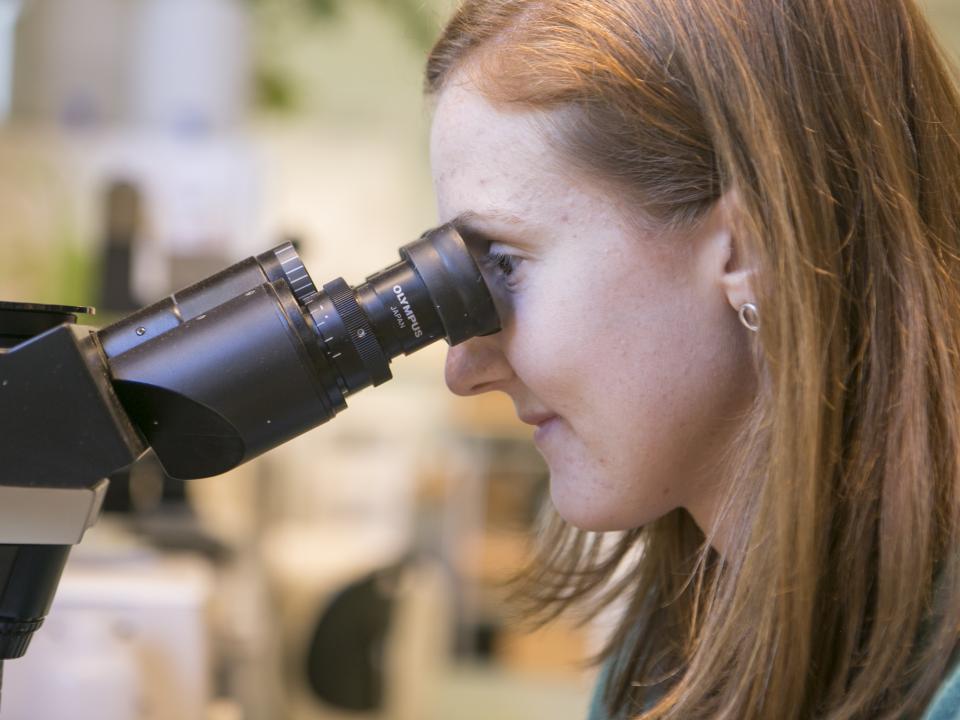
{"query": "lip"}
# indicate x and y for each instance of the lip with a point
(538, 419)
(543, 422)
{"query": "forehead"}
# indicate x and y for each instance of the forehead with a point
(499, 160)
(504, 167)
(502, 155)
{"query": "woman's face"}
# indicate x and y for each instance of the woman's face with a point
(619, 344)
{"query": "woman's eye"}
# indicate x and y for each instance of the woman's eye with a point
(503, 264)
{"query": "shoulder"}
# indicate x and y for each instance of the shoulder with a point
(597, 710)
(944, 706)
(946, 703)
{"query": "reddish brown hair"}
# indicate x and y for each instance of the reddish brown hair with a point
(838, 124)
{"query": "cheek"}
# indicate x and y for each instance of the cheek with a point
(645, 381)
(547, 344)
(576, 339)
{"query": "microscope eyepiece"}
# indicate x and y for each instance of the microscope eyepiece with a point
(243, 361)
(435, 291)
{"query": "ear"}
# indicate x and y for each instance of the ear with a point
(735, 269)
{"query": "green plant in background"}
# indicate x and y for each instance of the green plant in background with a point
(45, 253)
(74, 274)
(276, 88)
(412, 15)
(61, 273)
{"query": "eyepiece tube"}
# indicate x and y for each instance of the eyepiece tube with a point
(257, 354)
(435, 291)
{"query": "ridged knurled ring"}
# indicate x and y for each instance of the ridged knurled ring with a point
(359, 330)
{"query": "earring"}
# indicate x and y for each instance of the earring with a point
(749, 316)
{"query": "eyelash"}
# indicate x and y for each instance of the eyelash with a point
(503, 264)
(506, 264)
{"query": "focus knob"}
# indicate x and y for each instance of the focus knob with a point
(295, 273)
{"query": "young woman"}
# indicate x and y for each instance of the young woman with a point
(724, 240)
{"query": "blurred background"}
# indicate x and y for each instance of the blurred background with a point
(357, 571)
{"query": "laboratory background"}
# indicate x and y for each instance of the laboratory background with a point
(358, 571)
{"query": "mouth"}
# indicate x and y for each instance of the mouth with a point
(544, 422)
(537, 419)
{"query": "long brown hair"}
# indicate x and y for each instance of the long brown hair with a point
(838, 125)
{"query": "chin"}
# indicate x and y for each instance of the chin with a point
(587, 503)
(594, 513)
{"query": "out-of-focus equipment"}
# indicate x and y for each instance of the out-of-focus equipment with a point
(209, 378)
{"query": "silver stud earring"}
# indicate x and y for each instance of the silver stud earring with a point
(749, 316)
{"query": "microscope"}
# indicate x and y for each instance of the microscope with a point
(208, 378)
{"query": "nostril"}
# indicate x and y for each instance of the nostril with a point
(485, 387)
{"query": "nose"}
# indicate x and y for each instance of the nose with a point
(477, 366)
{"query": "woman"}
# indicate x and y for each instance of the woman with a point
(723, 239)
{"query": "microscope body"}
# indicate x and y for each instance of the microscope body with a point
(206, 378)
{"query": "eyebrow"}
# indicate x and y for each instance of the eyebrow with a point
(468, 216)
(468, 224)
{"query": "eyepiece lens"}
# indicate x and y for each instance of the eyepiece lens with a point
(435, 291)
(460, 295)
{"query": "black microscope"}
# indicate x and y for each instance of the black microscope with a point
(207, 378)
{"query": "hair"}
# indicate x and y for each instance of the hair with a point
(837, 124)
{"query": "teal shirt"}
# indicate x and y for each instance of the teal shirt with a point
(945, 704)
(597, 711)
